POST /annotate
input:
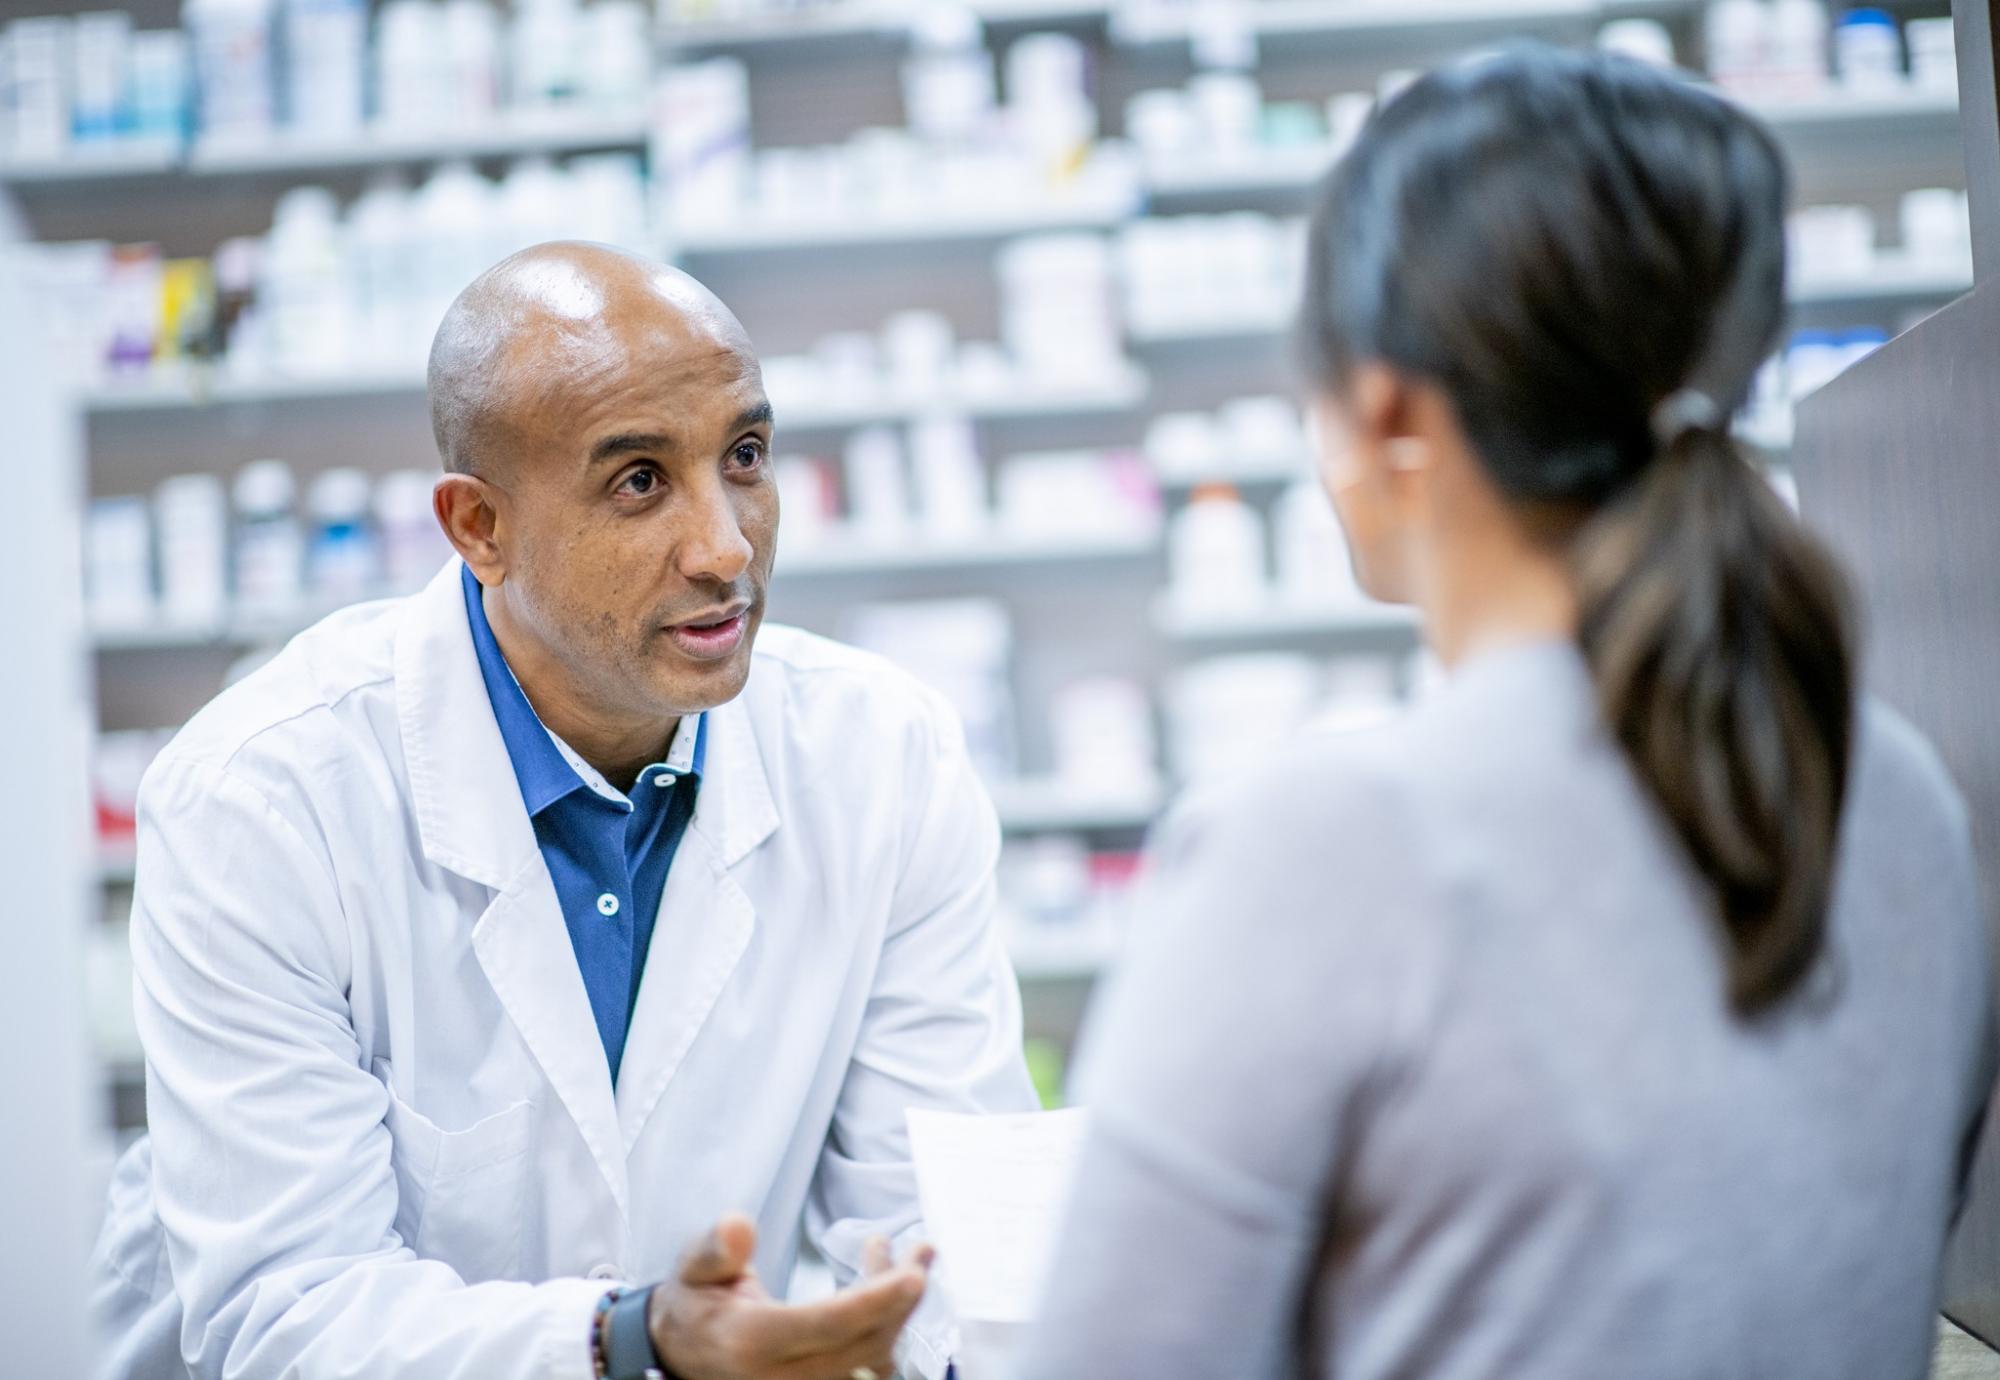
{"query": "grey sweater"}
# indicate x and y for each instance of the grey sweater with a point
(1421, 1068)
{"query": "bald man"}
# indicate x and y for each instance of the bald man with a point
(523, 967)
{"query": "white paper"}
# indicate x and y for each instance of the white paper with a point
(993, 1190)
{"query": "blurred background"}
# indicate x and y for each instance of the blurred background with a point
(1020, 273)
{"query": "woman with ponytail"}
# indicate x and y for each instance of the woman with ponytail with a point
(1621, 1013)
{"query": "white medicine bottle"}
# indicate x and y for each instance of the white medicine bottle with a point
(344, 562)
(1800, 51)
(232, 42)
(1312, 558)
(270, 547)
(1737, 36)
(1215, 553)
(948, 83)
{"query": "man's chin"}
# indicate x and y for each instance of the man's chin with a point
(697, 684)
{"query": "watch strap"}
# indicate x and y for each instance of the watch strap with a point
(628, 1341)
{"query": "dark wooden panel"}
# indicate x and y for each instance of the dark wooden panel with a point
(1899, 464)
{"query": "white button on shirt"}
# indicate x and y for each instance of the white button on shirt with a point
(607, 904)
(604, 1271)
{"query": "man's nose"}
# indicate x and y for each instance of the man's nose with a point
(712, 545)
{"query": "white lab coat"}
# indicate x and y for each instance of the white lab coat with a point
(384, 1141)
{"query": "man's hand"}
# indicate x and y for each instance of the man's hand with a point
(715, 1320)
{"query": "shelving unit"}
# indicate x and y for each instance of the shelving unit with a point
(1906, 110)
(1048, 955)
(825, 558)
(874, 20)
(1406, 20)
(1275, 619)
(1052, 804)
(1081, 605)
(915, 225)
(1243, 472)
(1893, 279)
(1247, 173)
(125, 159)
(195, 389)
(973, 551)
(1248, 320)
(200, 389)
(1030, 398)
(513, 134)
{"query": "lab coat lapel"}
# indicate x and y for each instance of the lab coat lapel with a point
(525, 951)
(471, 821)
(706, 917)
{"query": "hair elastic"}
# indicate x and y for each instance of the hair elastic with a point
(1683, 412)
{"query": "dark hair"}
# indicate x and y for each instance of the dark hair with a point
(1587, 257)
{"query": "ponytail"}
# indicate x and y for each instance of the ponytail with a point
(1596, 308)
(1717, 633)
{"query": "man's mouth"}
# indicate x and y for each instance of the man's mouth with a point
(712, 636)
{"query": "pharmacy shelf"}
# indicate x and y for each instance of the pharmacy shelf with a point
(1893, 278)
(181, 391)
(1249, 320)
(267, 629)
(1051, 804)
(916, 225)
(1838, 112)
(1048, 953)
(1272, 619)
(1268, 171)
(117, 864)
(878, 20)
(1247, 472)
(1032, 398)
(925, 555)
(1248, 172)
(88, 162)
(1388, 20)
(513, 134)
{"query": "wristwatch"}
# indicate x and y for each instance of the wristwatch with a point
(627, 1341)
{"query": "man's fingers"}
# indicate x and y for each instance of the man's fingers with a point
(876, 1258)
(723, 1255)
(876, 1352)
(881, 1304)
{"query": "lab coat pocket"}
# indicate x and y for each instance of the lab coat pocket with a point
(461, 1194)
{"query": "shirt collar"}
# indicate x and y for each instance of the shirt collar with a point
(547, 768)
(684, 758)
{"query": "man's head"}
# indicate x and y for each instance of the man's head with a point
(606, 437)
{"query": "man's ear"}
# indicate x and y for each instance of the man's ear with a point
(468, 509)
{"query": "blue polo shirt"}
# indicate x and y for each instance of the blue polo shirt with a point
(607, 852)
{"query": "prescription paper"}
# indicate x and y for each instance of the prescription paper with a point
(993, 1190)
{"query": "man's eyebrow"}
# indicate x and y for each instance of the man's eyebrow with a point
(760, 415)
(629, 443)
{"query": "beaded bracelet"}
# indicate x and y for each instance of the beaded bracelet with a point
(600, 1367)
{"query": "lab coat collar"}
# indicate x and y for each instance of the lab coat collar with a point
(464, 793)
(472, 820)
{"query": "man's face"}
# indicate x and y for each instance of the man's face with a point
(637, 509)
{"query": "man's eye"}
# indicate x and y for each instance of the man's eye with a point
(747, 456)
(639, 483)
